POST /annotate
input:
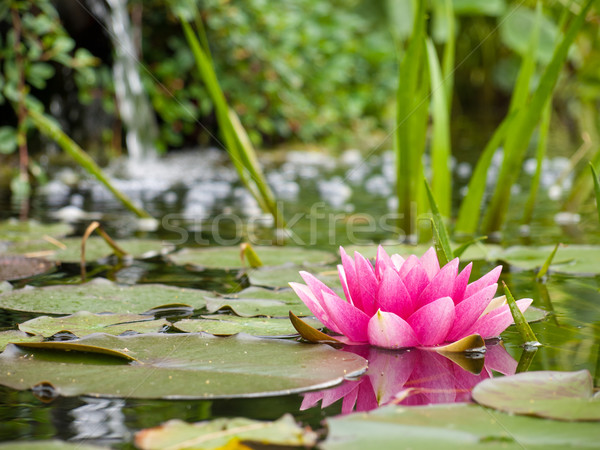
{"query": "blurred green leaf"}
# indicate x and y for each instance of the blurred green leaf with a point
(8, 140)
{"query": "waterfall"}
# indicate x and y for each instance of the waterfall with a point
(134, 106)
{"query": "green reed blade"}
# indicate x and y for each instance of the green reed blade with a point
(544, 269)
(520, 322)
(442, 239)
(519, 135)
(596, 188)
(411, 123)
(441, 178)
(51, 129)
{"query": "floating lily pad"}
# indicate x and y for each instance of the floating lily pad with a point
(533, 314)
(19, 267)
(222, 325)
(555, 395)
(573, 259)
(453, 426)
(255, 301)
(11, 336)
(181, 366)
(53, 444)
(219, 433)
(229, 257)
(99, 295)
(84, 323)
(69, 249)
(281, 276)
(18, 231)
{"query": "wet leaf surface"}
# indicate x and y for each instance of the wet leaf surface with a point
(454, 426)
(223, 325)
(255, 301)
(18, 231)
(230, 257)
(99, 295)
(571, 259)
(555, 395)
(178, 366)
(84, 323)
(69, 249)
(10, 336)
(219, 433)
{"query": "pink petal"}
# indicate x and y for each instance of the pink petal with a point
(408, 265)
(389, 371)
(498, 359)
(351, 279)
(496, 321)
(344, 283)
(315, 285)
(315, 306)
(387, 330)
(433, 374)
(469, 310)
(489, 278)
(366, 400)
(393, 296)
(433, 321)
(368, 283)
(415, 281)
(351, 321)
(442, 284)
(397, 261)
(382, 262)
(430, 263)
(460, 284)
(350, 399)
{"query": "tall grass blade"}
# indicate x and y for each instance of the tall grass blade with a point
(596, 188)
(540, 153)
(51, 129)
(544, 269)
(520, 322)
(517, 139)
(442, 239)
(449, 53)
(238, 145)
(411, 124)
(441, 178)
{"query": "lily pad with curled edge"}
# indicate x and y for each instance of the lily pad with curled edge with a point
(554, 395)
(583, 260)
(15, 267)
(230, 257)
(225, 433)
(184, 366)
(13, 230)
(255, 301)
(223, 325)
(69, 249)
(453, 426)
(11, 336)
(99, 295)
(281, 276)
(84, 323)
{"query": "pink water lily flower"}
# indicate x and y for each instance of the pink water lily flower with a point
(408, 302)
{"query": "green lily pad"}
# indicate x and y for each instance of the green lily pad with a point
(223, 325)
(533, 314)
(69, 249)
(581, 260)
(229, 257)
(53, 444)
(84, 323)
(255, 301)
(190, 365)
(281, 276)
(453, 426)
(219, 433)
(99, 295)
(12, 336)
(555, 395)
(19, 267)
(13, 230)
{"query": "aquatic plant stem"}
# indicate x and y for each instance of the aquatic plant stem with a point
(53, 131)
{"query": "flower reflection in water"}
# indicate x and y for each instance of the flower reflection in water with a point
(412, 377)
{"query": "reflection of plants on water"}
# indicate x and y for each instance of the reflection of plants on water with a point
(412, 377)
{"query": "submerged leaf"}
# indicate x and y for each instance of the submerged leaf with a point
(554, 395)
